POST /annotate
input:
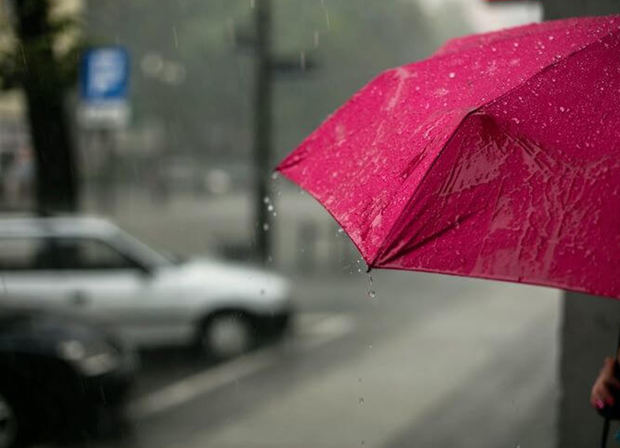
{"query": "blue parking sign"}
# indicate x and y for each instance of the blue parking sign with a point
(105, 74)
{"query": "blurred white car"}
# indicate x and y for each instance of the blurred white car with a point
(89, 266)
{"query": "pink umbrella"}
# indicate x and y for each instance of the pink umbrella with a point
(498, 157)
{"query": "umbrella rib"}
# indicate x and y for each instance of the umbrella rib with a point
(433, 237)
(389, 236)
(547, 68)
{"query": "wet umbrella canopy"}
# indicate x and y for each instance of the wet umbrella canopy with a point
(498, 157)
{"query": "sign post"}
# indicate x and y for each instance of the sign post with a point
(104, 110)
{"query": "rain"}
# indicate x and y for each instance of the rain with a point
(294, 223)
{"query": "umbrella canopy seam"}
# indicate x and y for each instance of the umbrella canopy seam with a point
(546, 69)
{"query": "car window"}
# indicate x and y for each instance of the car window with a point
(88, 254)
(23, 254)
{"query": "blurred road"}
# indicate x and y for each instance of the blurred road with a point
(430, 361)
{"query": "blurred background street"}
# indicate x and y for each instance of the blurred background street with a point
(430, 361)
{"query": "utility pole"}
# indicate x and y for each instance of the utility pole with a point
(267, 67)
(262, 126)
(56, 178)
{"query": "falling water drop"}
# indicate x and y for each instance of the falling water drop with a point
(265, 227)
(371, 292)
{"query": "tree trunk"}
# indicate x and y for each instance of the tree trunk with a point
(56, 176)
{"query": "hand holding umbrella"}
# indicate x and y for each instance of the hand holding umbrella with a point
(605, 395)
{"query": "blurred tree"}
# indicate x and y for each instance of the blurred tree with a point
(40, 55)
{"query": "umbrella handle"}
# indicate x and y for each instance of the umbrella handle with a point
(605, 433)
(606, 423)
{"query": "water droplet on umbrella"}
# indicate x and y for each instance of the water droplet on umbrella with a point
(562, 109)
(452, 75)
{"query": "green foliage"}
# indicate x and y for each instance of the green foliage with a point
(61, 31)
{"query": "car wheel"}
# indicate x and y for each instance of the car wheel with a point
(9, 426)
(226, 335)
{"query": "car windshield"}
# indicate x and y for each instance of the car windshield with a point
(142, 252)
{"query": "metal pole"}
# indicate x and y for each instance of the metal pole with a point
(262, 127)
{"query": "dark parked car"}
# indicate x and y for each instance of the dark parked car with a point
(59, 377)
